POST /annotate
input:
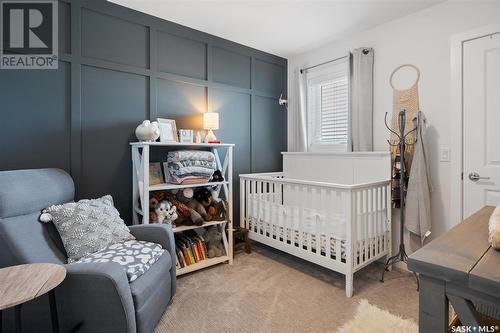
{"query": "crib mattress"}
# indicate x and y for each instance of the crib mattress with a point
(275, 231)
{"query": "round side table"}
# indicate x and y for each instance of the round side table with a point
(22, 283)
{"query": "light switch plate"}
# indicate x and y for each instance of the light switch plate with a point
(444, 154)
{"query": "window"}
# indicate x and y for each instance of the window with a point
(328, 106)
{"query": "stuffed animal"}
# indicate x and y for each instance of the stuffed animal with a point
(213, 239)
(166, 212)
(215, 207)
(186, 196)
(217, 176)
(154, 199)
(219, 214)
(185, 215)
(204, 196)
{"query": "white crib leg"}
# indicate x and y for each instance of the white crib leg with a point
(349, 284)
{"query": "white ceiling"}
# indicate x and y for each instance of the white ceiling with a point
(282, 27)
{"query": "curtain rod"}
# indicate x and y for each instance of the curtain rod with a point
(323, 63)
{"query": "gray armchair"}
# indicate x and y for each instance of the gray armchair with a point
(94, 297)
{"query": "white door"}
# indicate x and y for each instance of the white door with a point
(481, 102)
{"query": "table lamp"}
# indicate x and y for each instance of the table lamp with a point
(210, 123)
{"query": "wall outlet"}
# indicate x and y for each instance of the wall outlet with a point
(444, 154)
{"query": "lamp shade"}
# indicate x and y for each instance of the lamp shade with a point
(211, 120)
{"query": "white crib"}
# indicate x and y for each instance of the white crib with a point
(330, 209)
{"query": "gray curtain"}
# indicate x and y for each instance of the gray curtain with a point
(297, 130)
(361, 123)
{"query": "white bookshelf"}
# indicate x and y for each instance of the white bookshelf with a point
(203, 264)
(141, 189)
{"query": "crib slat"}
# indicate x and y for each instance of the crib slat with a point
(329, 224)
(377, 222)
(310, 228)
(384, 237)
(369, 239)
(264, 208)
(338, 248)
(380, 215)
(312, 218)
(373, 213)
(250, 203)
(373, 236)
(281, 217)
(365, 226)
(274, 192)
(274, 212)
(269, 205)
(289, 192)
(387, 202)
(318, 221)
(263, 188)
(361, 217)
(242, 203)
(369, 233)
(302, 217)
(258, 192)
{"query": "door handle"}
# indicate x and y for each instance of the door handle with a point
(474, 176)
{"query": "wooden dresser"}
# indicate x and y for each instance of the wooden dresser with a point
(460, 268)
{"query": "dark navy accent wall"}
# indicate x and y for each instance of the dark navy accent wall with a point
(118, 67)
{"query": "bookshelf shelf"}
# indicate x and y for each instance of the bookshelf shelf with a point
(191, 227)
(167, 186)
(202, 264)
(141, 189)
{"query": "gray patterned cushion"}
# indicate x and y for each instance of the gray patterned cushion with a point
(135, 257)
(88, 226)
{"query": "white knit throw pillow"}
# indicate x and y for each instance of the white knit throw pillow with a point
(494, 238)
(87, 226)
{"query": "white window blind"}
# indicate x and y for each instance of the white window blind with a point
(328, 106)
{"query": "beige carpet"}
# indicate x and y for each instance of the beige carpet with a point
(370, 319)
(269, 291)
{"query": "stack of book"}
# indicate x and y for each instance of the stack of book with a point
(190, 248)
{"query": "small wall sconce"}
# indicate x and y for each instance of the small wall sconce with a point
(282, 101)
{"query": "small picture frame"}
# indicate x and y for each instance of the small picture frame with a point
(186, 135)
(155, 174)
(168, 130)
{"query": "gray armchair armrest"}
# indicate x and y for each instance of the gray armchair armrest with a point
(160, 234)
(96, 297)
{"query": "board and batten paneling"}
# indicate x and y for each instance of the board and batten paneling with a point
(114, 39)
(118, 67)
(182, 56)
(178, 99)
(34, 118)
(231, 68)
(268, 76)
(267, 117)
(226, 102)
(108, 112)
